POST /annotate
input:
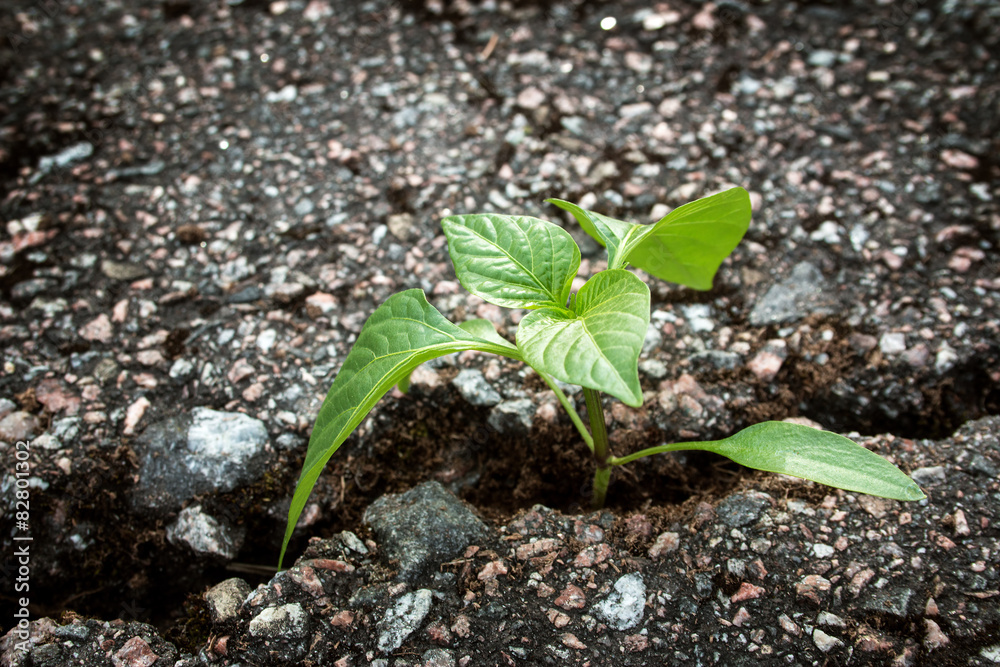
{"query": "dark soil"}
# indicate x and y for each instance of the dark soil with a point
(437, 436)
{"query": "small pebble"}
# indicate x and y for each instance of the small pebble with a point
(935, 638)
(825, 642)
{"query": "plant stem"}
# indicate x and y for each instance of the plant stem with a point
(570, 410)
(601, 478)
(707, 446)
(602, 454)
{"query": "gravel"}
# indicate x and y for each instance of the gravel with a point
(157, 259)
(422, 526)
(225, 599)
(205, 452)
(514, 416)
(204, 534)
(403, 618)
(623, 608)
(475, 389)
(744, 571)
(803, 292)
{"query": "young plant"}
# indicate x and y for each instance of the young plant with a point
(591, 338)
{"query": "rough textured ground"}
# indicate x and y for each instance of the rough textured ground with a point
(779, 572)
(202, 203)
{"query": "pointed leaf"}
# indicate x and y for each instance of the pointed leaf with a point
(685, 247)
(609, 232)
(824, 457)
(485, 329)
(688, 245)
(401, 334)
(598, 346)
(512, 261)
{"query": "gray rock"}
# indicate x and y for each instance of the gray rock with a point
(825, 642)
(652, 340)
(304, 206)
(717, 359)
(742, 509)
(289, 441)
(438, 657)
(287, 622)
(821, 550)
(181, 369)
(830, 620)
(475, 389)
(205, 451)
(403, 618)
(699, 317)
(248, 294)
(353, 542)
(822, 58)
(63, 158)
(151, 168)
(423, 527)
(122, 270)
(66, 429)
(287, 94)
(7, 406)
(17, 426)
(748, 85)
(224, 600)
(49, 307)
(285, 293)
(76, 631)
(894, 602)
(204, 534)
(401, 226)
(991, 653)
(794, 298)
(29, 289)
(266, 339)
(514, 416)
(653, 368)
(945, 359)
(930, 475)
(48, 655)
(892, 343)
(623, 608)
(981, 464)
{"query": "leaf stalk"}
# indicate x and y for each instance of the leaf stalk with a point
(568, 407)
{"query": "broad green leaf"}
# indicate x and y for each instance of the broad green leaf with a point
(609, 232)
(685, 247)
(824, 457)
(597, 346)
(512, 261)
(401, 334)
(688, 245)
(485, 329)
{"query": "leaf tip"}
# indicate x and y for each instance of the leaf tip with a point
(913, 492)
(633, 403)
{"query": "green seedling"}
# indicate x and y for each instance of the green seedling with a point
(591, 338)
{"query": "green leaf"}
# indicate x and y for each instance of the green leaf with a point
(512, 261)
(598, 346)
(609, 232)
(485, 329)
(688, 245)
(401, 334)
(824, 457)
(685, 247)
